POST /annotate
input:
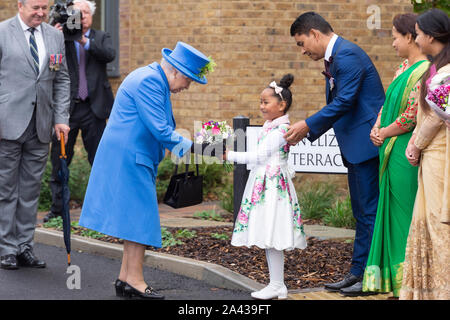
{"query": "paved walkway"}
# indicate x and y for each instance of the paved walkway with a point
(184, 218)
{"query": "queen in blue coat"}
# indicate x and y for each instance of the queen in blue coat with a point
(121, 195)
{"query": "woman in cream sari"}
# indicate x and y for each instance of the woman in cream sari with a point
(426, 269)
(398, 179)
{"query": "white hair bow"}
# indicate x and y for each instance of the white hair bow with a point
(277, 89)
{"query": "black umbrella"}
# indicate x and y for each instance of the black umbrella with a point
(63, 174)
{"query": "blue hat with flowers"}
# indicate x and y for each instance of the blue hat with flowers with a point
(188, 60)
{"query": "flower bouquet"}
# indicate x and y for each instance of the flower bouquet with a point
(215, 132)
(438, 95)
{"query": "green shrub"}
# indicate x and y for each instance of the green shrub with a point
(314, 198)
(45, 198)
(341, 215)
(185, 233)
(208, 215)
(54, 223)
(169, 239)
(165, 171)
(227, 197)
(79, 169)
(214, 176)
(88, 233)
(420, 6)
(220, 236)
(216, 180)
(57, 223)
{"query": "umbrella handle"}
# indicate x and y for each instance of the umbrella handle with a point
(63, 146)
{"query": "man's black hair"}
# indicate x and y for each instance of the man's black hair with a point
(310, 20)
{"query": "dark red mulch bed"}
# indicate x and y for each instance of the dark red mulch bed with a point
(322, 261)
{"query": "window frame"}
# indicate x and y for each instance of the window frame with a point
(110, 23)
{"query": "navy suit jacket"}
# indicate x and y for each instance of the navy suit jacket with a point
(352, 105)
(100, 53)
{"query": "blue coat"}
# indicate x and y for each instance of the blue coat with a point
(121, 195)
(353, 104)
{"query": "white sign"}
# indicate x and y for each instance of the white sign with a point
(320, 156)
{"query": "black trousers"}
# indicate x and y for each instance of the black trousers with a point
(82, 118)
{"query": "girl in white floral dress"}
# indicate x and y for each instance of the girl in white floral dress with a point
(269, 217)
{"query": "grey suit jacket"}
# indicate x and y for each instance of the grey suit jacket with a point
(21, 89)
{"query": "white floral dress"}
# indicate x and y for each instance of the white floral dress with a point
(269, 216)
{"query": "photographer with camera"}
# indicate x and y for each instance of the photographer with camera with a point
(34, 92)
(90, 91)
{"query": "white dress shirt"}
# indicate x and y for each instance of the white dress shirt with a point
(39, 40)
(330, 47)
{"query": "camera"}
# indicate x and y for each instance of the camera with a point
(68, 17)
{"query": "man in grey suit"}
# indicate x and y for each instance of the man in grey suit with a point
(34, 99)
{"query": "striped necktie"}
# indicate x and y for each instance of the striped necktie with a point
(34, 50)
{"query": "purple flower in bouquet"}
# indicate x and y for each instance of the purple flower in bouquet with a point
(438, 92)
(440, 96)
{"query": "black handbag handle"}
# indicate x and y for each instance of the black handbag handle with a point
(187, 169)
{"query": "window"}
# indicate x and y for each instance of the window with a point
(106, 18)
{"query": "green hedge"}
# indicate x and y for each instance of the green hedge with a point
(421, 6)
(215, 179)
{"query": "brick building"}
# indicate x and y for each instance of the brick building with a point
(250, 42)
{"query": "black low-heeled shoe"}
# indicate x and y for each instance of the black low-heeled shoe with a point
(148, 294)
(120, 285)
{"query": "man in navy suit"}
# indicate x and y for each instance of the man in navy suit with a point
(354, 94)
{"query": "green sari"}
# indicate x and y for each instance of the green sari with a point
(398, 187)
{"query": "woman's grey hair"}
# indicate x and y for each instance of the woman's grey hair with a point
(91, 5)
(166, 65)
(170, 68)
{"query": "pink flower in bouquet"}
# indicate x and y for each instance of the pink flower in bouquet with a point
(216, 130)
(213, 131)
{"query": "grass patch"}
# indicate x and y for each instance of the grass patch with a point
(315, 198)
(341, 215)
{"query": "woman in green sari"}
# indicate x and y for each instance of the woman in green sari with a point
(398, 178)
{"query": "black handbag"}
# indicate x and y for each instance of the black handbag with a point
(185, 189)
